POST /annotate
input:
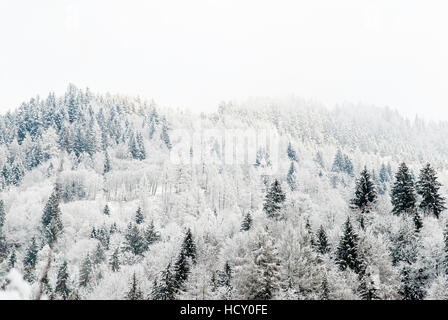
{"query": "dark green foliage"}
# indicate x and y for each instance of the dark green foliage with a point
(151, 234)
(62, 287)
(107, 165)
(365, 193)
(12, 260)
(322, 244)
(139, 216)
(106, 210)
(85, 272)
(51, 218)
(115, 261)
(291, 177)
(342, 163)
(347, 251)
(403, 191)
(428, 187)
(165, 137)
(274, 200)
(181, 271)
(134, 293)
(188, 246)
(2, 214)
(291, 153)
(413, 282)
(134, 240)
(99, 256)
(165, 289)
(247, 222)
(30, 260)
(367, 289)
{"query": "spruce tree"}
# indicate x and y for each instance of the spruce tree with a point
(106, 210)
(62, 287)
(445, 251)
(139, 216)
(30, 260)
(165, 137)
(51, 218)
(134, 293)
(291, 153)
(181, 271)
(274, 200)
(291, 177)
(166, 288)
(247, 222)
(413, 282)
(347, 251)
(367, 288)
(134, 240)
(365, 193)
(2, 214)
(115, 261)
(107, 166)
(188, 246)
(86, 271)
(12, 260)
(428, 187)
(403, 191)
(151, 234)
(99, 255)
(322, 244)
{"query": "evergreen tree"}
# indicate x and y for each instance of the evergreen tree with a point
(115, 261)
(51, 218)
(403, 191)
(322, 244)
(106, 210)
(404, 244)
(413, 282)
(139, 216)
(181, 271)
(107, 165)
(428, 187)
(165, 137)
(86, 271)
(291, 177)
(445, 253)
(273, 201)
(134, 240)
(99, 256)
(365, 194)
(367, 288)
(188, 246)
(2, 214)
(30, 260)
(62, 287)
(134, 293)
(264, 271)
(291, 153)
(247, 222)
(151, 235)
(166, 289)
(12, 260)
(141, 147)
(347, 251)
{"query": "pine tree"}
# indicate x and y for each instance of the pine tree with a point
(347, 251)
(51, 218)
(247, 222)
(428, 187)
(165, 137)
(86, 271)
(445, 258)
(2, 214)
(403, 191)
(291, 153)
(291, 177)
(413, 282)
(106, 210)
(30, 260)
(135, 293)
(367, 288)
(151, 235)
(107, 166)
(134, 240)
(139, 216)
(99, 256)
(365, 194)
(166, 289)
(62, 282)
(322, 244)
(273, 201)
(115, 261)
(181, 271)
(264, 276)
(12, 260)
(188, 246)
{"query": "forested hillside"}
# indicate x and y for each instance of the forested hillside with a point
(92, 205)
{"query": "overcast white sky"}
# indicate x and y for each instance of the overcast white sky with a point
(197, 53)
